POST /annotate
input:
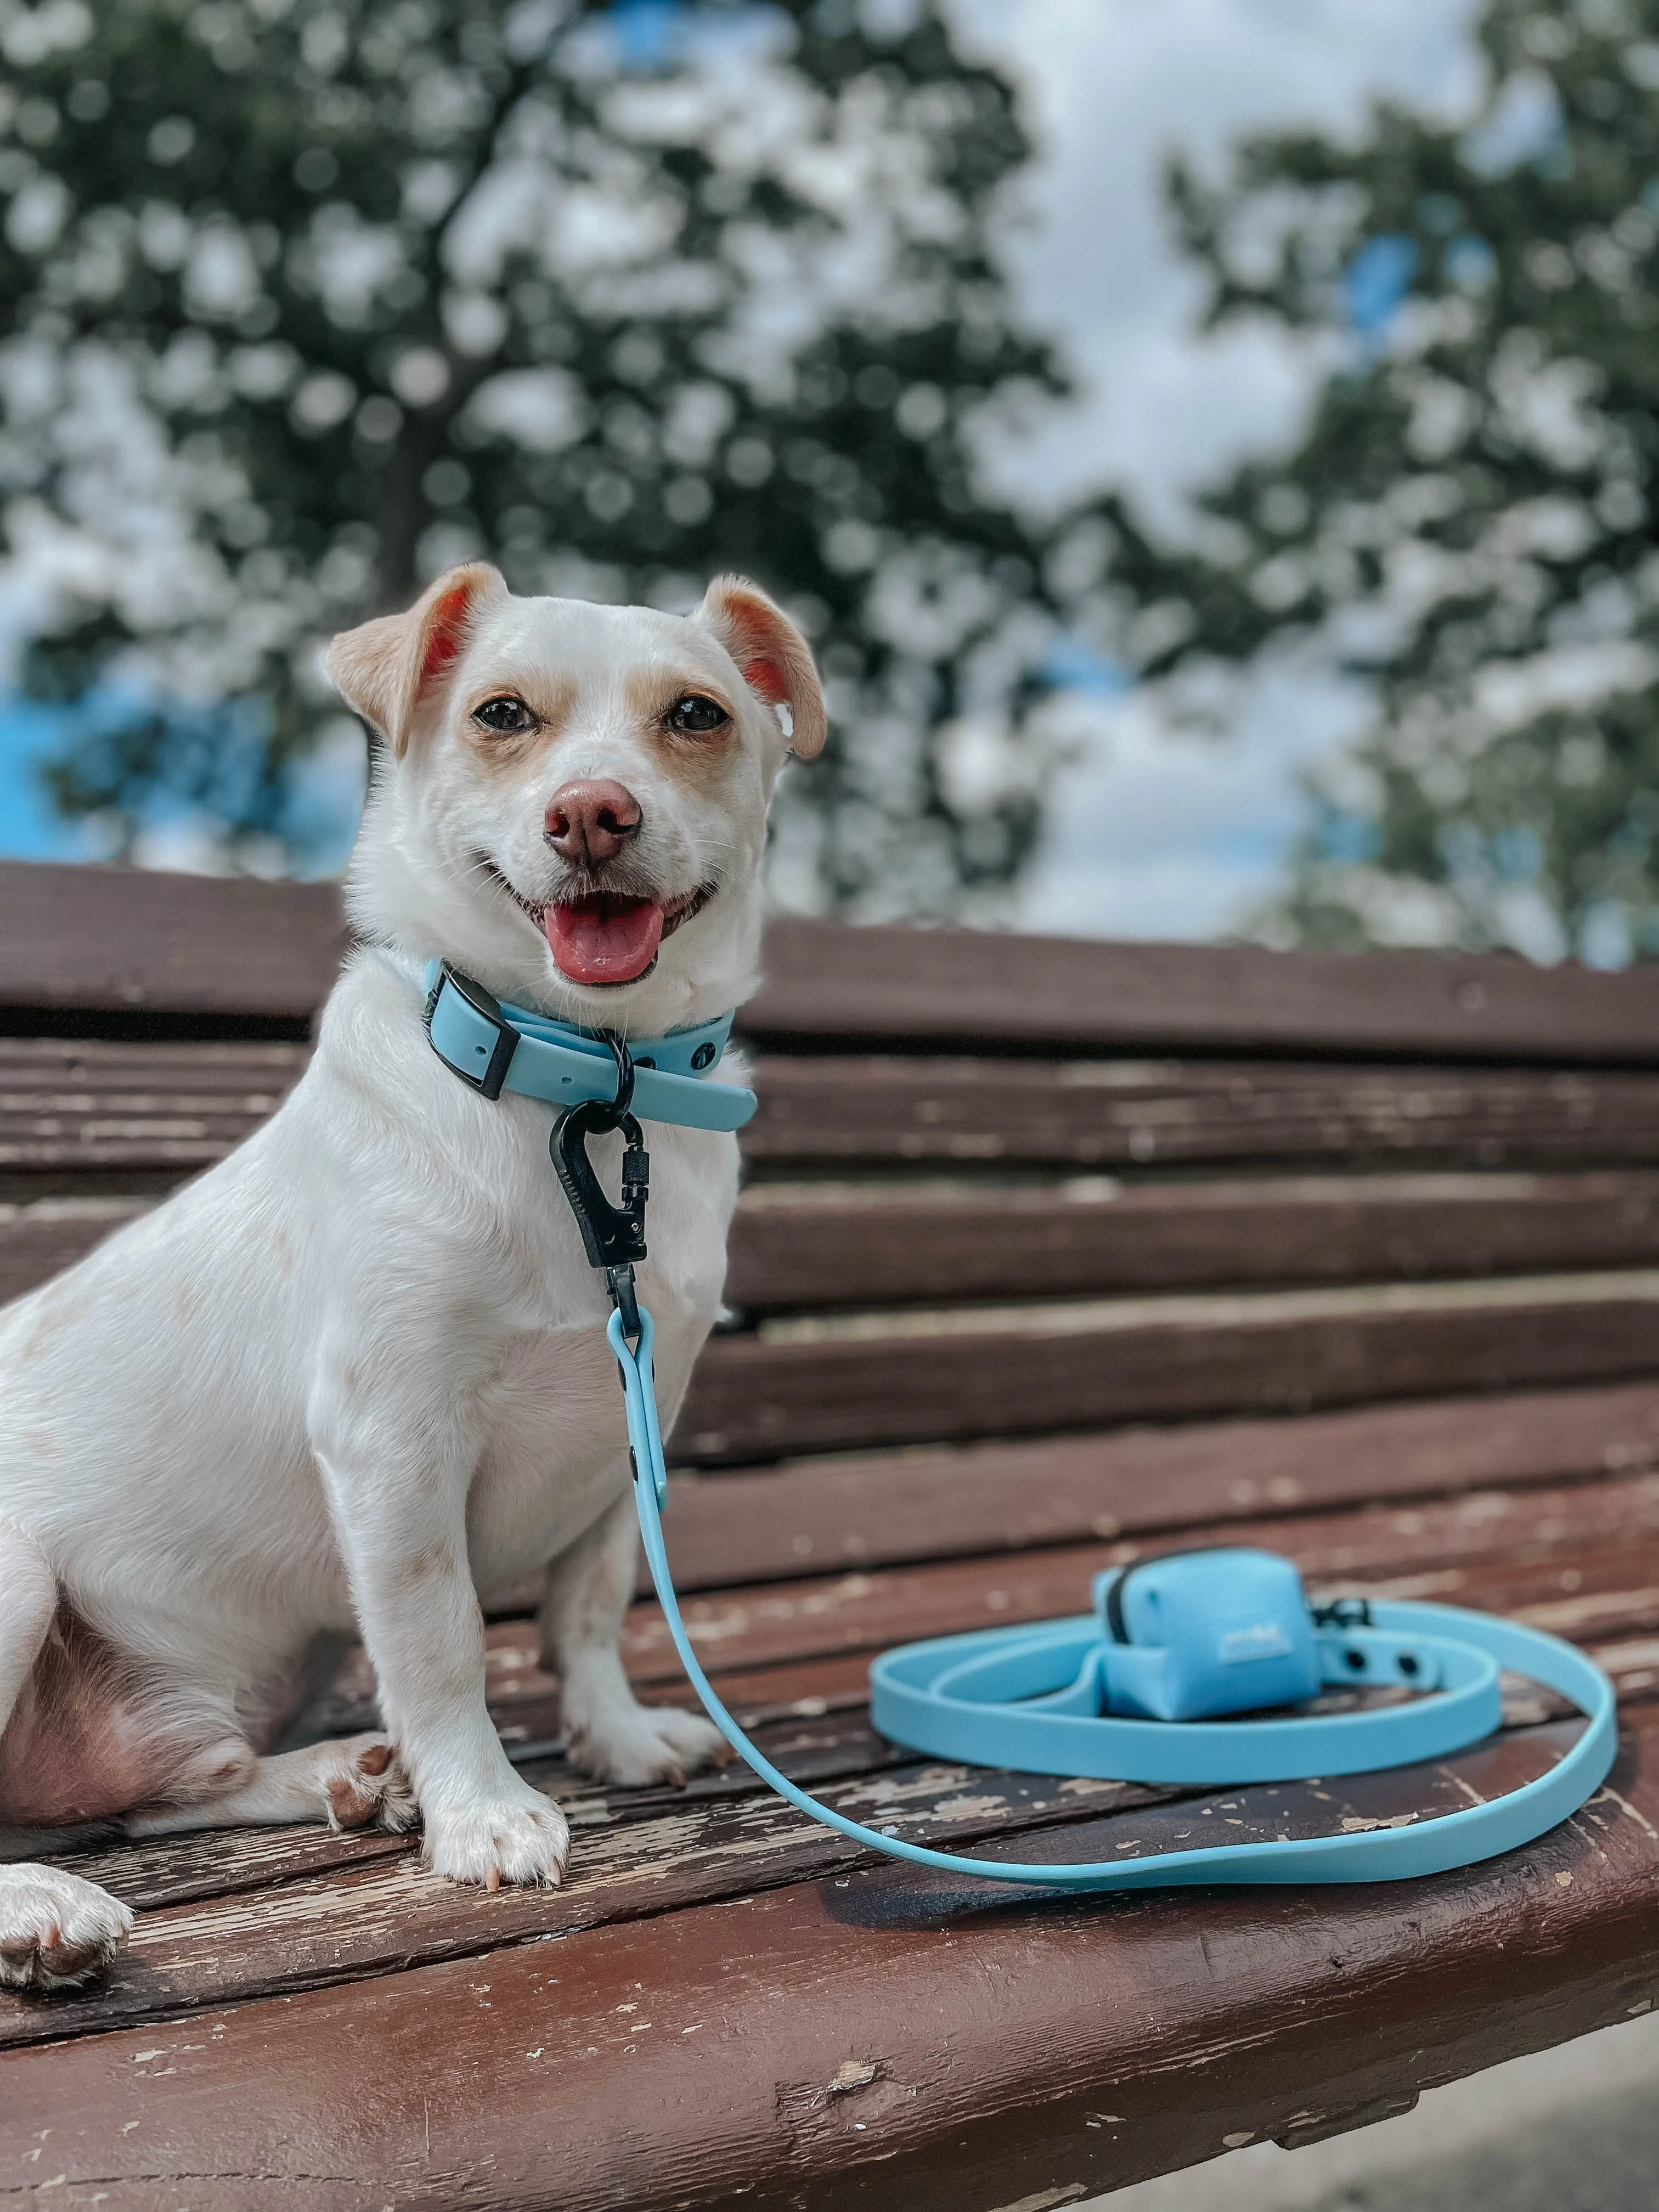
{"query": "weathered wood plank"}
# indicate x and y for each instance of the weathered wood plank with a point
(387, 1915)
(136, 941)
(228, 1862)
(814, 1517)
(135, 1118)
(1422, 1548)
(784, 1392)
(884, 1249)
(244, 1865)
(1105, 1113)
(372, 1917)
(957, 984)
(876, 1247)
(120, 941)
(90, 1102)
(674, 2063)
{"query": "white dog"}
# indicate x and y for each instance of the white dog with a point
(355, 1374)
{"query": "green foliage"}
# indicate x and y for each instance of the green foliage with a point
(1469, 523)
(309, 298)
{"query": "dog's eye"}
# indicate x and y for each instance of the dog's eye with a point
(694, 716)
(506, 716)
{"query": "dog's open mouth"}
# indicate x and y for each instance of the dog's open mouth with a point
(608, 937)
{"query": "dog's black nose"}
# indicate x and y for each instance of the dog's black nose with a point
(589, 823)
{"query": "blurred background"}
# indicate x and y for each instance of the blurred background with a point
(1213, 447)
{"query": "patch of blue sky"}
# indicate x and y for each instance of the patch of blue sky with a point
(1377, 281)
(1071, 666)
(1524, 124)
(31, 828)
(648, 35)
(1338, 836)
(313, 821)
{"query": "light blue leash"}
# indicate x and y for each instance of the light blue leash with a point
(1177, 1642)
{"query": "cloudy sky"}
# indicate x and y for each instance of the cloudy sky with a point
(1153, 838)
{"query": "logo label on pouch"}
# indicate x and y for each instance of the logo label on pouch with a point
(1266, 1640)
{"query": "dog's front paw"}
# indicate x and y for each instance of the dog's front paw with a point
(56, 1930)
(489, 1840)
(638, 1744)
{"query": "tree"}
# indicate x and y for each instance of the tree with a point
(1471, 520)
(308, 298)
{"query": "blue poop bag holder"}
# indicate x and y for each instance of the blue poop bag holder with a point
(1140, 1690)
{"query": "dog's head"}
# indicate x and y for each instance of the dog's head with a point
(572, 803)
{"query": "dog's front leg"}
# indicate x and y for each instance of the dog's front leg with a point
(397, 1468)
(611, 1735)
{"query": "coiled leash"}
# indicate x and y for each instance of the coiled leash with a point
(1138, 1690)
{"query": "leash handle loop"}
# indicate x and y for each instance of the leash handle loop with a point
(1452, 1840)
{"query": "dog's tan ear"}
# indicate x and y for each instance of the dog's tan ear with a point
(774, 658)
(389, 668)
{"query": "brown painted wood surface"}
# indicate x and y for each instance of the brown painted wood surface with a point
(980, 1115)
(134, 941)
(752, 1399)
(96, 1115)
(127, 941)
(1422, 1548)
(94, 1103)
(878, 1249)
(1362, 1266)
(875, 1247)
(882, 1510)
(957, 984)
(865, 2038)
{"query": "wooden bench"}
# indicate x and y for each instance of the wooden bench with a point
(1051, 1255)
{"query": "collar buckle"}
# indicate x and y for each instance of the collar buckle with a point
(500, 1050)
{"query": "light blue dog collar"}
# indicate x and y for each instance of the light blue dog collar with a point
(495, 1047)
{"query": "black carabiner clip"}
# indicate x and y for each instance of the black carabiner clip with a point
(613, 1237)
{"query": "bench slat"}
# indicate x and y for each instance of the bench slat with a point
(960, 984)
(692, 2047)
(239, 1862)
(128, 941)
(817, 1516)
(886, 1249)
(360, 1920)
(752, 1399)
(743, 1628)
(1002, 1244)
(391, 1913)
(968, 1113)
(965, 1114)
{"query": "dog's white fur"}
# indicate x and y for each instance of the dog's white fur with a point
(354, 1375)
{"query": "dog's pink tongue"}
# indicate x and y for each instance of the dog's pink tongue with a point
(604, 940)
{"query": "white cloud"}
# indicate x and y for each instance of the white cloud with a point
(1112, 89)
(1154, 835)
(1162, 835)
